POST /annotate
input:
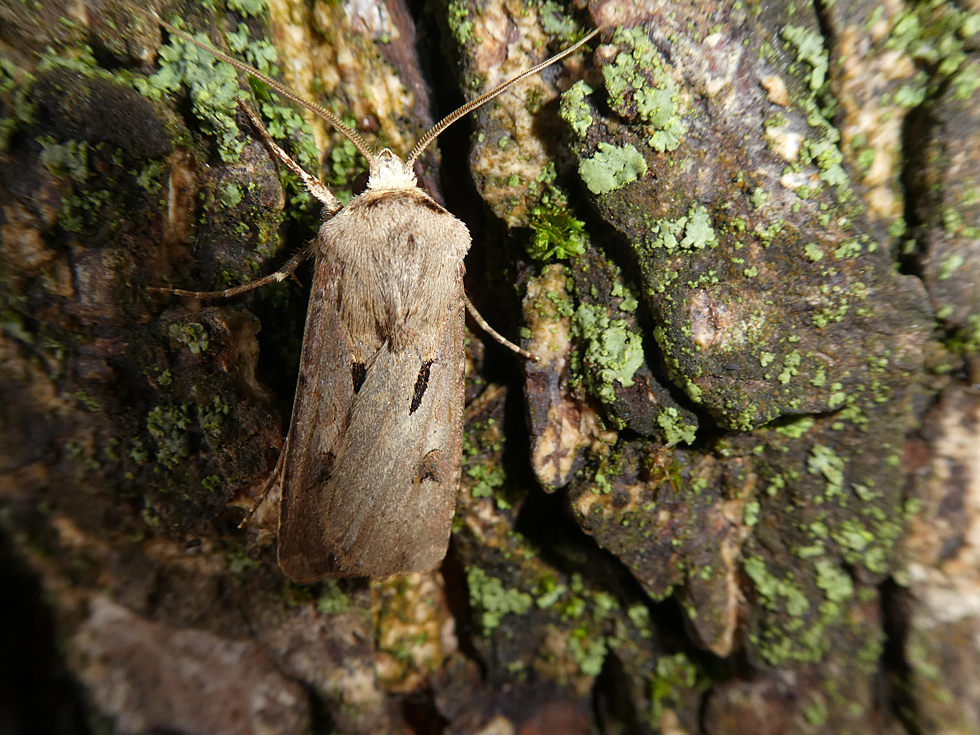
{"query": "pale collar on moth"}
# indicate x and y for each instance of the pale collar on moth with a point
(388, 171)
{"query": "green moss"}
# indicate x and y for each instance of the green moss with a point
(611, 168)
(489, 598)
(556, 233)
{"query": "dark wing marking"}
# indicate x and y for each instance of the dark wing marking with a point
(421, 383)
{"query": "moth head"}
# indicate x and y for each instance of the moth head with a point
(388, 171)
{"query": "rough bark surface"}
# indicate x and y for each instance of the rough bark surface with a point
(740, 491)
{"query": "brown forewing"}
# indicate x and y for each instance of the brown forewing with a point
(371, 464)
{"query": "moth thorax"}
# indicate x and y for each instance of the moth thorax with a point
(388, 171)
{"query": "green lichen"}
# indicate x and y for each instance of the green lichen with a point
(810, 49)
(837, 586)
(248, 7)
(168, 425)
(213, 86)
(332, 600)
(629, 302)
(797, 428)
(639, 77)
(813, 252)
(588, 654)
(486, 480)
(775, 593)
(672, 676)
(231, 195)
(192, 335)
(557, 21)
(796, 631)
(549, 592)
(20, 103)
(825, 461)
(611, 168)
(574, 110)
(211, 417)
(68, 159)
(949, 266)
(690, 232)
(459, 23)
(491, 601)
(675, 430)
(966, 82)
(614, 351)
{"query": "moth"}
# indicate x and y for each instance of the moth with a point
(370, 468)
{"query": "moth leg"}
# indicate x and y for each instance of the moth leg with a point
(280, 275)
(312, 183)
(276, 475)
(496, 335)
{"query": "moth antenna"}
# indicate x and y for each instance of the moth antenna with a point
(321, 112)
(436, 129)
